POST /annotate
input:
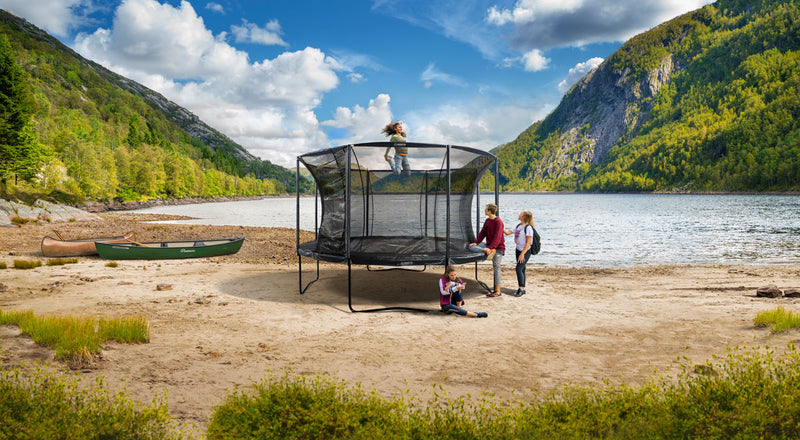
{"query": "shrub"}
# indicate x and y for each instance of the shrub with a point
(306, 408)
(748, 394)
(19, 221)
(3, 265)
(112, 264)
(61, 261)
(43, 405)
(26, 264)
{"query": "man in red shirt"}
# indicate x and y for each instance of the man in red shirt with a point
(495, 246)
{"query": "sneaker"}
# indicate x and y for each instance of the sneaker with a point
(519, 293)
(490, 255)
(494, 294)
(482, 314)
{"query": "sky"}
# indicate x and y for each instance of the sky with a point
(286, 77)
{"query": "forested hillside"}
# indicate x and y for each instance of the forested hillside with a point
(83, 132)
(709, 101)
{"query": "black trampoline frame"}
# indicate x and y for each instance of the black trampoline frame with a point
(348, 257)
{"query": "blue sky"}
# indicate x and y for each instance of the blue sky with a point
(284, 77)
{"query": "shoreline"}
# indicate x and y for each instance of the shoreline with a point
(229, 321)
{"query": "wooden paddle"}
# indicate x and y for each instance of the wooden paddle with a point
(137, 243)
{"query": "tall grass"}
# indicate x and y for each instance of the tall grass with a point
(778, 320)
(48, 405)
(77, 338)
(747, 394)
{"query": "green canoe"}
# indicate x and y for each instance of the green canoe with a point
(163, 250)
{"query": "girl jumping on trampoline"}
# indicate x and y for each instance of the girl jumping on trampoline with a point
(495, 246)
(396, 133)
(450, 298)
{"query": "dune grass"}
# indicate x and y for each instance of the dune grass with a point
(26, 264)
(749, 394)
(3, 265)
(778, 320)
(61, 261)
(39, 404)
(77, 339)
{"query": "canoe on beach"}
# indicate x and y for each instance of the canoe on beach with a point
(163, 250)
(59, 247)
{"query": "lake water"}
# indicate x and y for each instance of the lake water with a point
(596, 230)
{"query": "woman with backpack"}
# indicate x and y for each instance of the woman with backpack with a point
(524, 234)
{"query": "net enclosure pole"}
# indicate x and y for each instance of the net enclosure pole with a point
(447, 227)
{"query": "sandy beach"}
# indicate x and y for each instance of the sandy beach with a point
(230, 321)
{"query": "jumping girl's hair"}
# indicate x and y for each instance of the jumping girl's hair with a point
(527, 217)
(391, 128)
(491, 207)
(448, 270)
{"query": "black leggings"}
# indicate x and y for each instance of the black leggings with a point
(521, 267)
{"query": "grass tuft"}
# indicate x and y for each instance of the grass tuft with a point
(77, 340)
(61, 261)
(38, 404)
(3, 265)
(778, 320)
(112, 264)
(26, 264)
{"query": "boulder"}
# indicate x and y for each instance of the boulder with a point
(769, 292)
(792, 292)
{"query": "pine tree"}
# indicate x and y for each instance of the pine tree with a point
(20, 154)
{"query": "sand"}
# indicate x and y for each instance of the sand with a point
(230, 321)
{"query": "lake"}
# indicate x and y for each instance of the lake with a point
(595, 230)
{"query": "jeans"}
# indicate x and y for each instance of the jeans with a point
(498, 257)
(521, 267)
(400, 162)
(449, 308)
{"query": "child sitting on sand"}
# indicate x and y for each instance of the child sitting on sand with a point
(450, 287)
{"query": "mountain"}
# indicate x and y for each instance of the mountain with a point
(105, 136)
(708, 101)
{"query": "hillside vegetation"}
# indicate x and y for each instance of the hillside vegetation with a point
(709, 101)
(82, 132)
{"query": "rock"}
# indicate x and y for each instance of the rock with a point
(769, 292)
(164, 287)
(792, 292)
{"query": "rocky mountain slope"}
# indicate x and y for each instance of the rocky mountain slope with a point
(652, 116)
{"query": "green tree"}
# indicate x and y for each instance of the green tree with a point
(20, 154)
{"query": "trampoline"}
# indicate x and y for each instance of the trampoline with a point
(371, 216)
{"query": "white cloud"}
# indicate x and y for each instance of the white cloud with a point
(266, 106)
(55, 16)
(534, 61)
(578, 72)
(431, 74)
(216, 7)
(546, 24)
(356, 78)
(250, 33)
(477, 123)
(362, 124)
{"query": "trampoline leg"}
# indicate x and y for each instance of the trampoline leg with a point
(481, 282)
(300, 275)
(380, 309)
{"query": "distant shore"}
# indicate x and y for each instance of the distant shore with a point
(115, 205)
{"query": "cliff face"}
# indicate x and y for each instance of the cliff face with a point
(602, 108)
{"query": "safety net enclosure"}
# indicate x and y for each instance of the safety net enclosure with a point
(372, 216)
